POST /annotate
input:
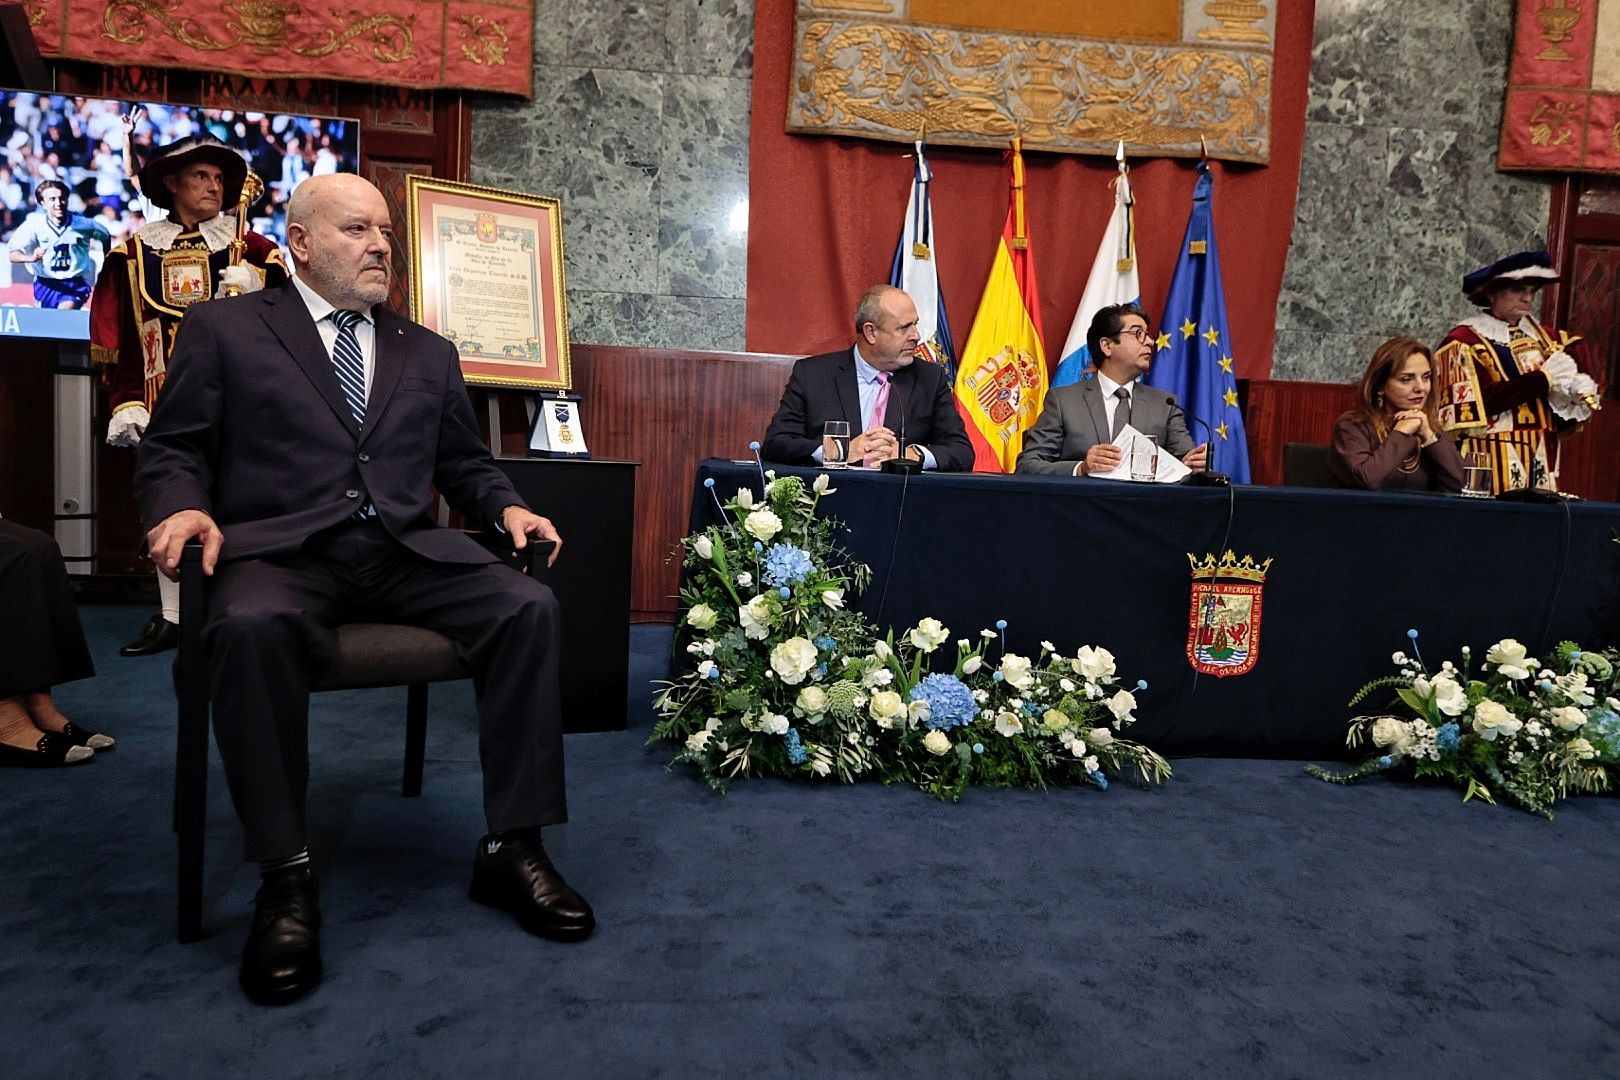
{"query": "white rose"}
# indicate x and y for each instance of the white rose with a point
(886, 705)
(1390, 732)
(1015, 670)
(833, 598)
(1567, 717)
(1449, 697)
(745, 498)
(704, 547)
(1078, 748)
(937, 742)
(929, 635)
(812, 699)
(972, 664)
(755, 618)
(1101, 736)
(745, 579)
(793, 659)
(1093, 663)
(1509, 657)
(877, 677)
(1008, 724)
(1581, 750)
(763, 523)
(1121, 705)
(1066, 685)
(1090, 764)
(1492, 719)
(773, 723)
(702, 616)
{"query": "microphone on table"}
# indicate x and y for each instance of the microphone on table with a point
(902, 465)
(1205, 477)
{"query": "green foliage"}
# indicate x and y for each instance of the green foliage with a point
(783, 679)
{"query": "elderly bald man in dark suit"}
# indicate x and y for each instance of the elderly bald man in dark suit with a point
(1074, 434)
(299, 438)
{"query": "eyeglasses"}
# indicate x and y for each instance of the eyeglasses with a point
(1138, 332)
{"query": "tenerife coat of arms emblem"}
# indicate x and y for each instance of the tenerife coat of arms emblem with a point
(1223, 617)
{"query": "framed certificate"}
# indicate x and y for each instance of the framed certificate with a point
(487, 273)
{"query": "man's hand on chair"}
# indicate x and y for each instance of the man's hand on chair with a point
(522, 524)
(167, 539)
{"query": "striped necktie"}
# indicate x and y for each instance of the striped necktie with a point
(348, 362)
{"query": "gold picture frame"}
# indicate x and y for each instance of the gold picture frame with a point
(487, 274)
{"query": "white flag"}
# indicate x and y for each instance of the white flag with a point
(1113, 278)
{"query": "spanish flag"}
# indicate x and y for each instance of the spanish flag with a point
(1001, 373)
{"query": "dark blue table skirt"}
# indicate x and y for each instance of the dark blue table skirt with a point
(1098, 562)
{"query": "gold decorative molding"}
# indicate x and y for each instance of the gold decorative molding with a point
(881, 7)
(1237, 19)
(886, 80)
(260, 25)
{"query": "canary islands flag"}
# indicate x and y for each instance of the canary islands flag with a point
(1193, 359)
(1001, 375)
(1113, 279)
(916, 270)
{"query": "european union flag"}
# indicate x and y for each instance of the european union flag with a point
(1193, 360)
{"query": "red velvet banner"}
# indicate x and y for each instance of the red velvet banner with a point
(472, 44)
(1563, 97)
(825, 213)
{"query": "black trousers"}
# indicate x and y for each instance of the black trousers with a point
(270, 632)
(41, 641)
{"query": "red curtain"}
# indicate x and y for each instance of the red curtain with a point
(824, 214)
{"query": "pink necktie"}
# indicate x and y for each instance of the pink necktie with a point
(880, 407)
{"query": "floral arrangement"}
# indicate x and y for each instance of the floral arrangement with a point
(1518, 730)
(785, 680)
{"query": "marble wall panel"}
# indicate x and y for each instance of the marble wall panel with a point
(639, 123)
(1399, 193)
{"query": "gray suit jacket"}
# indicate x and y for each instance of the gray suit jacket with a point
(1074, 420)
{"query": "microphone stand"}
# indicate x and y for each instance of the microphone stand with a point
(901, 465)
(1205, 477)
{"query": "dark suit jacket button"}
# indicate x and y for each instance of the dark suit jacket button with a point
(364, 457)
(352, 493)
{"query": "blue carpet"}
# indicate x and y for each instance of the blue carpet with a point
(1242, 921)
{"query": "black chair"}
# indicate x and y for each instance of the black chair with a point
(1306, 465)
(369, 655)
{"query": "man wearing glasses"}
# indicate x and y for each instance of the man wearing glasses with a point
(1075, 433)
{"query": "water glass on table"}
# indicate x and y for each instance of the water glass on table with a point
(1476, 476)
(835, 444)
(1144, 458)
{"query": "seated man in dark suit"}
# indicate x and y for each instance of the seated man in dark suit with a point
(1074, 435)
(880, 388)
(299, 438)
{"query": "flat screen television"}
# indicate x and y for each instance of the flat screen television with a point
(79, 141)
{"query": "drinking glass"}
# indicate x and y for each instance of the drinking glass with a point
(1476, 476)
(1144, 458)
(835, 444)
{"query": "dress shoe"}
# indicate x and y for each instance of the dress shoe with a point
(95, 740)
(515, 874)
(158, 635)
(51, 750)
(281, 961)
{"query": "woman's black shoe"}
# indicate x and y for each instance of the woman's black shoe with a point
(51, 750)
(95, 740)
(158, 635)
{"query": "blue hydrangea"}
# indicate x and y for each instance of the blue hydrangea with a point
(1602, 730)
(786, 564)
(1099, 779)
(795, 749)
(824, 642)
(950, 702)
(1447, 737)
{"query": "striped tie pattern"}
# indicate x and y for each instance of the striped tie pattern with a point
(348, 363)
